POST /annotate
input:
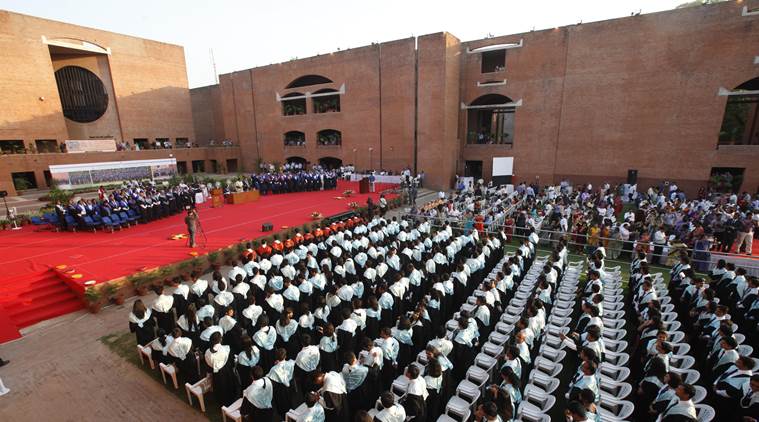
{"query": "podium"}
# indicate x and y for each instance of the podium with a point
(217, 198)
(236, 198)
(363, 185)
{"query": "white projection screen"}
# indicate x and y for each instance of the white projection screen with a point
(503, 166)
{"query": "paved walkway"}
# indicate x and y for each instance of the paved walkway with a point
(60, 371)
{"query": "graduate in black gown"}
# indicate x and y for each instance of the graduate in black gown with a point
(181, 352)
(141, 323)
(336, 407)
(258, 404)
(220, 363)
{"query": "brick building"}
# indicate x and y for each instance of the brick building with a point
(65, 82)
(586, 102)
(672, 95)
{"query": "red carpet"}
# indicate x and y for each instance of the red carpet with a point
(27, 255)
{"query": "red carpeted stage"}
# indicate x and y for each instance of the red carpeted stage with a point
(28, 292)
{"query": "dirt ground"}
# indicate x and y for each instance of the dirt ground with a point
(60, 371)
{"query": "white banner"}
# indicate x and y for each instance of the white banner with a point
(90, 145)
(69, 176)
(503, 166)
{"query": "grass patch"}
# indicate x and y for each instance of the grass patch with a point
(125, 346)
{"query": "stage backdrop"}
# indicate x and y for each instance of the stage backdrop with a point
(69, 176)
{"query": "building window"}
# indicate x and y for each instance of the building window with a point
(198, 166)
(473, 169)
(330, 163)
(46, 145)
(493, 61)
(294, 106)
(141, 143)
(740, 123)
(12, 146)
(24, 180)
(295, 139)
(491, 120)
(83, 95)
(232, 165)
(297, 160)
(329, 137)
(726, 179)
(308, 80)
(326, 101)
(182, 167)
(164, 143)
(182, 143)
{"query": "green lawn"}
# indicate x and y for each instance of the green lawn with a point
(125, 345)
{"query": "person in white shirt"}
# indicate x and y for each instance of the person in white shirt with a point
(391, 411)
(314, 410)
(259, 397)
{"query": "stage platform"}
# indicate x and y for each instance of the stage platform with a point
(27, 253)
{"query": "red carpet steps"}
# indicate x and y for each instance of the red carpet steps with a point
(28, 299)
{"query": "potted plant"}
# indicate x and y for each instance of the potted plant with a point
(185, 266)
(348, 193)
(213, 259)
(113, 293)
(140, 281)
(93, 298)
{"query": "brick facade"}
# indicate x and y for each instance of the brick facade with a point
(597, 99)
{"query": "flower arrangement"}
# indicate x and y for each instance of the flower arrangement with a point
(353, 205)
(316, 215)
(348, 193)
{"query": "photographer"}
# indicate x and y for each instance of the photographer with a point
(192, 224)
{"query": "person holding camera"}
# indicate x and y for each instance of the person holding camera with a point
(192, 225)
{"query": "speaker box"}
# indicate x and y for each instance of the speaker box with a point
(267, 227)
(632, 176)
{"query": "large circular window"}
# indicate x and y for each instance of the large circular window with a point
(82, 93)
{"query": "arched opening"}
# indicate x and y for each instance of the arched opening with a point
(297, 160)
(329, 137)
(308, 80)
(83, 95)
(330, 163)
(295, 105)
(740, 123)
(490, 120)
(326, 101)
(295, 138)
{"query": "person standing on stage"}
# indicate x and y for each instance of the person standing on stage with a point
(192, 224)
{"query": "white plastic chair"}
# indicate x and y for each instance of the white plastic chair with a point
(745, 350)
(198, 390)
(146, 353)
(171, 371)
(700, 394)
(613, 412)
(704, 413)
(468, 391)
(477, 376)
(459, 408)
(232, 412)
(682, 361)
(531, 413)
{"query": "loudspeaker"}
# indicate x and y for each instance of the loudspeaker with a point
(632, 176)
(267, 227)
